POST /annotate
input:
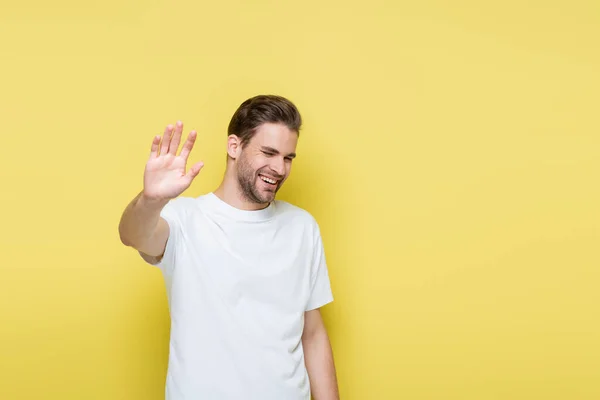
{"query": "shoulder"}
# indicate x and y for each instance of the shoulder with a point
(180, 206)
(296, 214)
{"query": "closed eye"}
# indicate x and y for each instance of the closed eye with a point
(270, 152)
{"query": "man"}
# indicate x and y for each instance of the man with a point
(245, 273)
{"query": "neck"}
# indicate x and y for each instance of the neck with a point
(230, 192)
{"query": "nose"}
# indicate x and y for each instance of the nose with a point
(278, 166)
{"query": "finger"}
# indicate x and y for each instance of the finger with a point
(195, 170)
(176, 138)
(154, 147)
(164, 149)
(188, 145)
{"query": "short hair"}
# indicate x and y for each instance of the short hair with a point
(262, 109)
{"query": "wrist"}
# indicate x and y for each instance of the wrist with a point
(151, 201)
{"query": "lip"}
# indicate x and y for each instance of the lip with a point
(277, 180)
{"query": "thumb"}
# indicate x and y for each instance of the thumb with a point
(195, 170)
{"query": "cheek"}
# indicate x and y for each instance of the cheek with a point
(252, 164)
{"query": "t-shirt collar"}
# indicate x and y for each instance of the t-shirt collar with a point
(237, 213)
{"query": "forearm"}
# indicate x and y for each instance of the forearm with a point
(319, 362)
(139, 220)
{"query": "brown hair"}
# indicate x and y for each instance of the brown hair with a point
(261, 109)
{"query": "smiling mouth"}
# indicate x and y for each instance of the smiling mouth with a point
(268, 180)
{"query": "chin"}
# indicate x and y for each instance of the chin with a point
(268, 197)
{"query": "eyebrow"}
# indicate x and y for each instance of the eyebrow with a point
(275, 151)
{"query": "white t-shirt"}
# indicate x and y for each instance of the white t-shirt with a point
(238, 284)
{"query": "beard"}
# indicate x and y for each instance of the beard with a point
(247, 179)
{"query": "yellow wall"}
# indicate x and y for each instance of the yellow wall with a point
(450, 154)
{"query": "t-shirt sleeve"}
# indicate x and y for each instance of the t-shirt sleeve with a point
(174, 213)
(321, 293)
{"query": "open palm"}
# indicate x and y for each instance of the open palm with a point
(165, 176)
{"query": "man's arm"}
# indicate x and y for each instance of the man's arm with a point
(318, 357)
(165, 178)
(142, 228)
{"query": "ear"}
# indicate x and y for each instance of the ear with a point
(234, 146)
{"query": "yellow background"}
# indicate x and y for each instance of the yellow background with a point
(450, 153)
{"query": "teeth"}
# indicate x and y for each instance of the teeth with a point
(268, 180)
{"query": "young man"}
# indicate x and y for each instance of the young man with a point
(245, 273)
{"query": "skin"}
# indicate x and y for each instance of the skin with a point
(268, 154)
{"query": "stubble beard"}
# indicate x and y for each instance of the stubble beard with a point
(247, 181)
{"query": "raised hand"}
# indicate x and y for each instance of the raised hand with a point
(165, 176)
